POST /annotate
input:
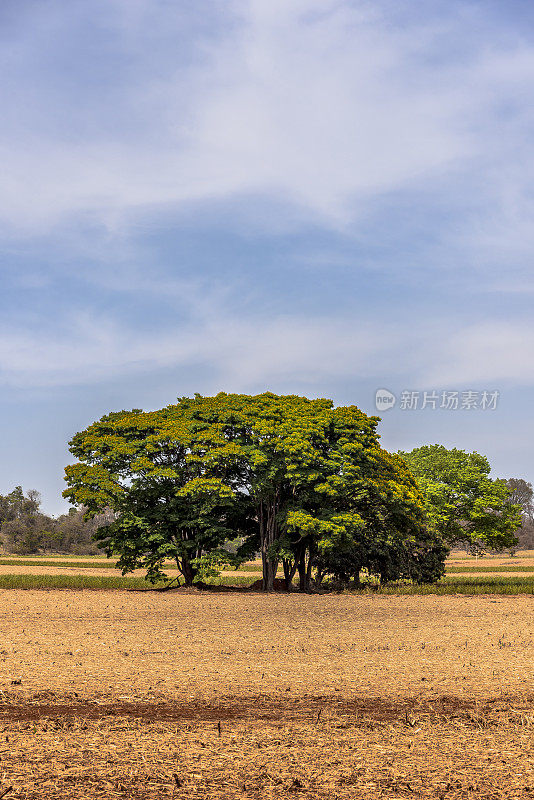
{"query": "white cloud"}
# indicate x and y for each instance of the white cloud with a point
(246, 351)
(324, 105)
(488, 352)
(88, 349)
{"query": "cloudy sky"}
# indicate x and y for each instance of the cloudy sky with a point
(322, 197)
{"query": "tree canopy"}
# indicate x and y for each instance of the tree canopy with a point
(463, 502)
(297, 479)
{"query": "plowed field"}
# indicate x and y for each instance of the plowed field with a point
(188, 695)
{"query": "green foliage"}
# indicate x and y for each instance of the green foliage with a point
(157, 474)
(388, 535)
(463, 503)
(321, 484)
(298, 478)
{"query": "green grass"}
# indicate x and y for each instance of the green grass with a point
(51, 556)
(33, 562)
(21, 561)
(72, 582)
(38, 562)
(109, 564)
(230, 580)
(461, 585)
(449, 585)
(98, 582)
(249, 568)
(506, 568)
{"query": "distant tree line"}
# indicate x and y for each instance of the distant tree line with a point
(522, 494)
(25, 529)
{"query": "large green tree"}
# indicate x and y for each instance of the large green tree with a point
(277, 449)
(463, 503)
(169, 497)
(316, 476)
(393, 539)
(297, 478)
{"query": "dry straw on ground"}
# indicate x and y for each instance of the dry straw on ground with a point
(187, 695)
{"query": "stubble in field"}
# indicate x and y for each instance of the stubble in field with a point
(137, 695)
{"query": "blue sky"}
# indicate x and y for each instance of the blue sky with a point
(313, 197)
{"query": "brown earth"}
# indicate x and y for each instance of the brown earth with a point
(47, 567)
(112, 695)
(523, 557)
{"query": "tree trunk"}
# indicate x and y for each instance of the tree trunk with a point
(305, 567)
(269, 574)
(187, 570)
(319, 578)
(269, 534)
(301, 563)
(309, 567)
(287, 570)
(290, 567)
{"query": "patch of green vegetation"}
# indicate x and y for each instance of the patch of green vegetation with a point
(230, 580)
(73, 582)
(248, 568)
(506, 568)
(99, 582)
(30, 562)
(447, 586)
(48, 556)
(461, 585)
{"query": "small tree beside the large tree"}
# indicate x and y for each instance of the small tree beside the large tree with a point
(463, 503)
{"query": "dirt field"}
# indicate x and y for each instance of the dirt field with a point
(186, 695)
(524, 558)
(50, 569)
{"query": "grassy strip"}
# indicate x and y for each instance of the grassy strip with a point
(51, 556)
(97, 582)
(72, 582)
(250, 568)
(31, 562)
(460, 585)
(447, 586)
(28, 562)
(506, 568)
(24, 562)
(231, 580)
